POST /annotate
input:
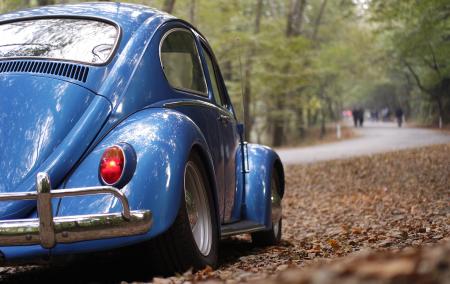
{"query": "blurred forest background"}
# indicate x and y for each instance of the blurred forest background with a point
(303, 62)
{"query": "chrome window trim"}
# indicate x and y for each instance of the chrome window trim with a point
(228, 106)
(212, 76)
(163, 38)
(199, 103)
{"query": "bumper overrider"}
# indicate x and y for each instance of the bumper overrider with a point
(48, 230)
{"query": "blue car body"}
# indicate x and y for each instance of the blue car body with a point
(60, 122)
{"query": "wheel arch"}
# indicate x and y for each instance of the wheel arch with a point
(262, 162)
(206, 159)
(278, 167)
(157, 183)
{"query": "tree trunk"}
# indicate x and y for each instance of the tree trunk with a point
(293, 28)
(278, 129)
(435, 93)
(331, 112)
(323, 129)
(192, 9)
(227, 71)
(438, 94)
(295, 18)
(300, 123)
(45, 2)
(322, 109)
(318, 20)
(315, 117)
(440, 108)
(168, 6)
(309, 121)
(248, 75)
(247, 98)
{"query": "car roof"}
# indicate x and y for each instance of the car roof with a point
(129, 16)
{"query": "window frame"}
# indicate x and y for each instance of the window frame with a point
(161, 42)
(223, 103)
(71, 17)
(207, 51)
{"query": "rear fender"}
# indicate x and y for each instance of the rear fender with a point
(262, 161)
(162, 140)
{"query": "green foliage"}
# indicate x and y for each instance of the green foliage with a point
(416, 35)
(344, 53)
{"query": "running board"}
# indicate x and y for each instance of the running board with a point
(241, 227)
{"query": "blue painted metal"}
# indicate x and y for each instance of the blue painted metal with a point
(238, 206)
(230, 138)
(40, 125)
(62, 126)
(262, 161)
(157, 183)
(25, 254)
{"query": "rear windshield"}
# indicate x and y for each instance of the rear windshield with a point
(80, 40)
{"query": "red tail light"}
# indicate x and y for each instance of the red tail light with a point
(112, 165)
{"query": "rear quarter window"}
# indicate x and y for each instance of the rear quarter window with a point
(180, 62)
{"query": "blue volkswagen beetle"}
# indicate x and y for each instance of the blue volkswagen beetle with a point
(116, 129)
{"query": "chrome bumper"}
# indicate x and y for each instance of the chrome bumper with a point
(48, 230)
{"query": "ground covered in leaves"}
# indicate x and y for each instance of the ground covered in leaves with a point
(429, 263)
(383, 202)
(388, 202)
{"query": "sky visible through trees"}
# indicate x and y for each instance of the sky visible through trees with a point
(301, 63)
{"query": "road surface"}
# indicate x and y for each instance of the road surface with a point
(372, 138)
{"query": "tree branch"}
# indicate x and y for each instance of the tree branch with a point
(416, 77)
(295, 17)
(435, 64)
(168, 6)
(318, 20)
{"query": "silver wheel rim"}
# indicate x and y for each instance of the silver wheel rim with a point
(276, 228)
(276, 208)
(197, 207)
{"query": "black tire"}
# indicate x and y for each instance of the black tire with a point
(273, 235)
(176, 250)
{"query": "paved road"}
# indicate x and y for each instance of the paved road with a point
(373, 138)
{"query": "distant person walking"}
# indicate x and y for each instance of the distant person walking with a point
(399, 116)
(374, 115)
(358, 117)
(361, 117)
(355, 114)
(385, 114)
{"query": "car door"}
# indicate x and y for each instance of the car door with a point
(185, 73)
(227, 125)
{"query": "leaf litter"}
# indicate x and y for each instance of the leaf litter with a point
(370, 205)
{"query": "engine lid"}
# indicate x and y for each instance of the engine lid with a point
(46, 124)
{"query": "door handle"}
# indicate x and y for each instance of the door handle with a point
(223, 118)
